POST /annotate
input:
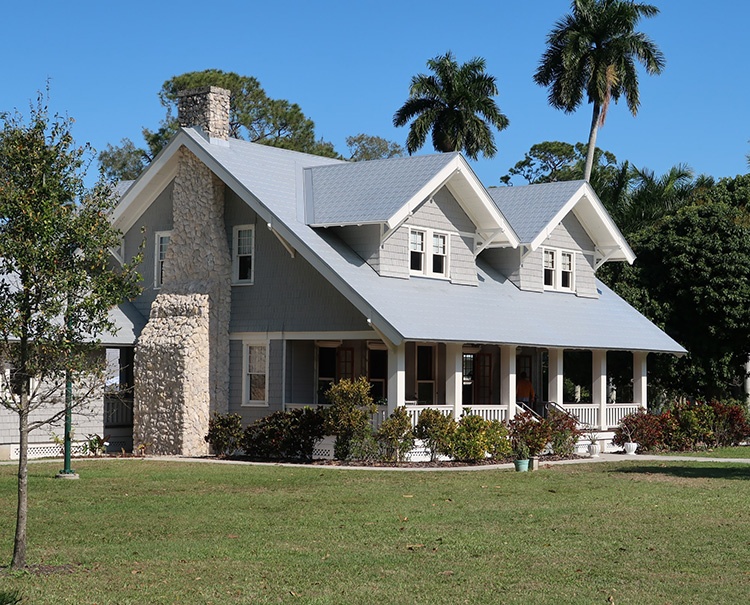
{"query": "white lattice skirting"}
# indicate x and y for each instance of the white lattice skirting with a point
(40, 450)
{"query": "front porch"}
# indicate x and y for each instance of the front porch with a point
(457, 377)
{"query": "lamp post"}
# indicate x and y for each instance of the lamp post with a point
(67, 472)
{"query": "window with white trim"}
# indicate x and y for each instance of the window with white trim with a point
(428, 253)
(256, 371)
(160, 253)
(243, 253)
(559, 269)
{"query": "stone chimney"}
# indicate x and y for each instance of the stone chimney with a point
(206, 108)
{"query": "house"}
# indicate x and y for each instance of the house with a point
(105, 411)
(269, 274)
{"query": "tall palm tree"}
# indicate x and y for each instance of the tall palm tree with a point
(594, 50)
(456, 105)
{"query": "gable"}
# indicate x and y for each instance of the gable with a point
(536, 210)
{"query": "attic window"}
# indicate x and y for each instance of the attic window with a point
(559, 270)
(428, 253)
(160, 253)
(243, 249)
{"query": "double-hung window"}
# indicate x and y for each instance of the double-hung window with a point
(559, 270)
(256, 370)
(428, 253)
(243, 253)
(160, 253)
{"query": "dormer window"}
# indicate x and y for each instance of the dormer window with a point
(559, 270)
(428, 253)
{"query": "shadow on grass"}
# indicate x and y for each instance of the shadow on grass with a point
(701, 471)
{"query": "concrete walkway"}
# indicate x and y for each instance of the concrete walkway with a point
(481, 467)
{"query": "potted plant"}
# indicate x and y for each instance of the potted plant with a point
(531, 431)
(624, 435)
(594, 447)
(521, 454)
(629, 445)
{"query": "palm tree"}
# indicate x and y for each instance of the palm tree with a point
(456, 105)
(594, 51)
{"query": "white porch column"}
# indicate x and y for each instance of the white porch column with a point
(555, 382)
(454, 377)
(508, 378)
(599, 385)
(396, 377)
(640, 366)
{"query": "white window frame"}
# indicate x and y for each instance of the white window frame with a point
(236, 257)
(246, 401)
(428, 252)
(158, 260)
(557, 270)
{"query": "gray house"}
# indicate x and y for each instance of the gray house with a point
(270, 274)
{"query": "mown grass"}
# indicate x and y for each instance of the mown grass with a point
(137, 532)
(741, 451)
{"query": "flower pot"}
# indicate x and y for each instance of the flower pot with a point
(630, 448)
(534, 463)
(594, 450)
(521, 465)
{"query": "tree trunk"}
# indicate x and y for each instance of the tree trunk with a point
(19, 543)
(592, 142)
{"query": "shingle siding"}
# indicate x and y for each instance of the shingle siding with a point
(364, 240)
(441, 213)
(570, 235)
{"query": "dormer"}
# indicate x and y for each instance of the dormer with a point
(566, 235)
(415, 217)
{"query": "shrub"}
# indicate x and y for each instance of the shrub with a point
(730, 424)
(564, 432)
(395, 435)
(289, 435)
(647, 430)
(435, 430)
(531, 431)
(469, 440)
(689, 426)
(497, 437)
(348, 416)
(686, 426)
(224, 433)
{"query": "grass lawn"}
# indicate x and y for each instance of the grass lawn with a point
(149, 532)
(742, 451)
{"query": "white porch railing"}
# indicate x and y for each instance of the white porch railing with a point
(618, 411)
(588, 413)
(415, 410)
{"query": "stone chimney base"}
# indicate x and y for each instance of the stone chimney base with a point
(172, 404)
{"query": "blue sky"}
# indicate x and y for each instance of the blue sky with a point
(348, 65)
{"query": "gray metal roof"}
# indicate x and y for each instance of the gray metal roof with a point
(530, 208)
(495, 311)
(368, 192)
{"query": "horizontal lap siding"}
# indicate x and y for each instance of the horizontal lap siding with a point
(273, 381)
(157, 217)
(288, 294)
